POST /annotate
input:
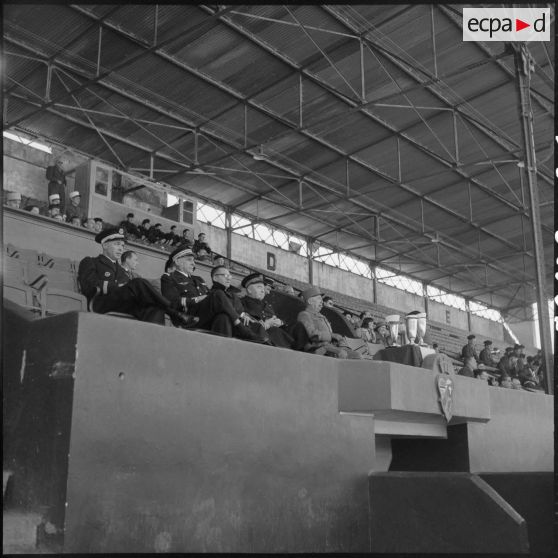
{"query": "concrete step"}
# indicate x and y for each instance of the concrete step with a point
(19, 531)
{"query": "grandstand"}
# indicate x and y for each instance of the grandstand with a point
(366, 150)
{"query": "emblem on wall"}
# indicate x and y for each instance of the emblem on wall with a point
(445, 391)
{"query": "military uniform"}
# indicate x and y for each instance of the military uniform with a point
(221, 309)
(262, 310)
(486, 357)
(108, 288)
(181, 290)
(74, 211)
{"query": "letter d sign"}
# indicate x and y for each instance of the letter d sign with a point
(539, 25)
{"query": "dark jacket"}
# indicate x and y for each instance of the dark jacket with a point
(235, 301)
(180, 289)
(258, 309)
(100, 275)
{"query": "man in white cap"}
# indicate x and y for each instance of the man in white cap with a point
(54, 199)
(13, 199)
(184, 290)
(321, 339)
(109, 289)
(57, 181)
(74, 209)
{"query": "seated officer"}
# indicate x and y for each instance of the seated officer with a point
(184, 290)
(261, 310)
(322, 340)
(109, 289)
(223, 313)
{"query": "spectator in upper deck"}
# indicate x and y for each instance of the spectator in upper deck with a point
(130, 228)
(155, 235)
(33, 208)
(53, 211)
(469, 350)
(89, 223)
(201, 248)
(75, 221)
(171, 238)
(144, 229)
(74, 208)
(54, 199)
(99, 224)
(185, 240)
(328, 301)
(13, 199)
(436, 347)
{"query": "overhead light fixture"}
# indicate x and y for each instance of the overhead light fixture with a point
(259, 155)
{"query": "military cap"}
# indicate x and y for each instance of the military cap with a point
(108, 235)
(309, 293)
(488, 342)
(379, 325)
(74, 194)
(54, 198)
(471, 336)
(180, 252)
(252, 279)
(13, 196)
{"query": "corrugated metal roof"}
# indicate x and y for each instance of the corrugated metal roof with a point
(212, 67)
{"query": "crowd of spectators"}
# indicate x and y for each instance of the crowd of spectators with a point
(513, 369)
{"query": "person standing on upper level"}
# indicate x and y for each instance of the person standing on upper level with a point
(469, 350)
(57, 181)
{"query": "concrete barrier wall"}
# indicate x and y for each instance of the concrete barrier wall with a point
(329, 277)
(438, 313)
(442, 513)
(487, 328)
(518, 437)
(186, 442)
(254, 253)
(398, 299)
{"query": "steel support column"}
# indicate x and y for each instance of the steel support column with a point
(310, 248)
(523, 73)
(228, 228)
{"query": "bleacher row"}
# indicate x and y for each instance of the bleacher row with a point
(44, 284)
(449, 339)
(47, 285)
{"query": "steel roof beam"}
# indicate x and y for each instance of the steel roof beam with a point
(454, 18)
(450, 164)
(174, 116)
(276, 117)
